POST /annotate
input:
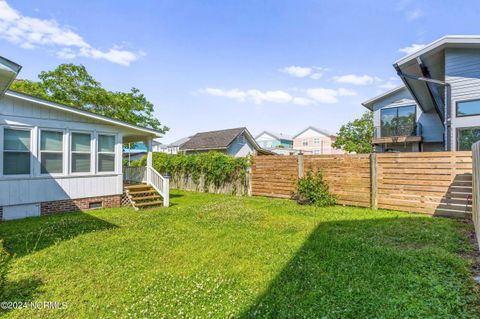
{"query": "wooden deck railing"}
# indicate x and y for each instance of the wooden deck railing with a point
(160, 183)
(150, 176)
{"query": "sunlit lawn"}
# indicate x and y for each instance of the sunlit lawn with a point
(223, 256)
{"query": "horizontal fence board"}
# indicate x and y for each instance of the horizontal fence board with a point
(432, 183)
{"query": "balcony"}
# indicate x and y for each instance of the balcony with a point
(397, 133)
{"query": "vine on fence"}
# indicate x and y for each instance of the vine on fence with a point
(216, 168)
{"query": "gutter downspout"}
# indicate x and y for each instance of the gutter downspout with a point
(448, 102)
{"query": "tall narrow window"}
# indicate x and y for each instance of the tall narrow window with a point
(106, 153)
(81, 150)
(51, 152)
(305, 142)
(16, 151)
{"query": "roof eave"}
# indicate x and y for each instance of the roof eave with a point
(70, 109)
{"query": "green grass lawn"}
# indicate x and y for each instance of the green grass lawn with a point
(223, 256)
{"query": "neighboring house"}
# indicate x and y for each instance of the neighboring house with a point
(172, 148)
(270, 140)
(438, 107)
(315, 141)
(237, 142)
(56, 158)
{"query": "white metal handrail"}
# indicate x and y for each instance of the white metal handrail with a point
(160, 183)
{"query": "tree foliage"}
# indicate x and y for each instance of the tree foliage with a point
(356, 136)
(72, 85)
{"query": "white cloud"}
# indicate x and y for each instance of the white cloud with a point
(30, 33)
(269, 96)
(302, 72)
(297, 71)
(328, 96)
(414, 14)
(257, 96)
(356, 79)
(302, 101)
(314, 95)
(411, 49)
(235, 94)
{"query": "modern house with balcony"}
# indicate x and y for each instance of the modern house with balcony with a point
(438, 106)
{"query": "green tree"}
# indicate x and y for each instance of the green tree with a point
(356, 136)
(72, 85)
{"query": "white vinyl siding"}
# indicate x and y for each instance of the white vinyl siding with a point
(16, 151)
(51, 152)
(106, 153)
(462, 71)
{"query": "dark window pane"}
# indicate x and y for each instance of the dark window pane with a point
(387, 121)
(468, 108)
(15, 163)
(16, 140)
(466, 138)
(106, 162)
(80, 163)
(80, 142)
(398, 121)
(106, 143)
(51, 141)
(51, 163)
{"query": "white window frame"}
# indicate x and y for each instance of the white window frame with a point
(97, 154)
(316, 141)
(71, 152)
(64, 151)
(305, 142)
(20, 128)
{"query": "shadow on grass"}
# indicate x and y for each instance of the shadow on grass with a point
(22, 237)
(381, 268)
(23, 290)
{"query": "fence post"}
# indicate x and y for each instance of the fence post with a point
(373, 181)
(300, 165)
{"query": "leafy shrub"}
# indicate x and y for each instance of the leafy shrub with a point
(4, 266)
(311, 189)
(216, 168)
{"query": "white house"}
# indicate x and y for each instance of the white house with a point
(237, 142)
(57, 158)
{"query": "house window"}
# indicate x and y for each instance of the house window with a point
(468, 108)
(51, 152)
(398, 121)
(466, 137)
(305, 142)
(241, 140)
(16, 151)
(316, 140)
(316, 152)
(81, 150)
(106, 153)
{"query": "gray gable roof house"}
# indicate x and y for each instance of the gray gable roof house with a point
(237, 142)
(438, 106)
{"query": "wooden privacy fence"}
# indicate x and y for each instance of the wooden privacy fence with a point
(476, 189)
(437, 183)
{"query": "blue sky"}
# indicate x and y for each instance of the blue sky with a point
(268, 65)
